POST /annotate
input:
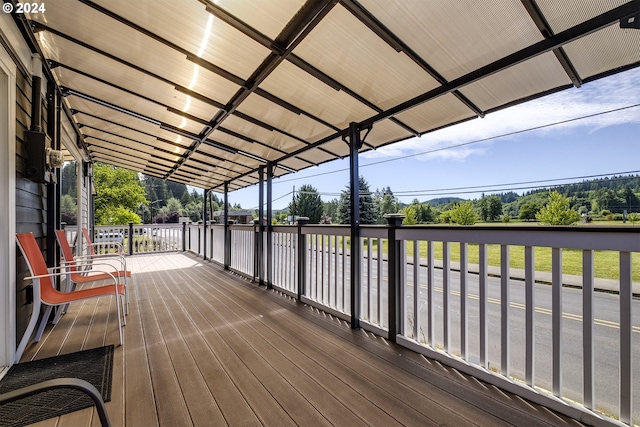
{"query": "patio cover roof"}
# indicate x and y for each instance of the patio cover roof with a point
(205, 92)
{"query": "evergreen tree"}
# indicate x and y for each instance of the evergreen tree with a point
(367, 206)
(307, 203)
(386, 203)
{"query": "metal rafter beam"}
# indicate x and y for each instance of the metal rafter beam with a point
(392, 40)
(545, 29)
(294, 32)
(189, 92)
(576, 32)
(265, 41)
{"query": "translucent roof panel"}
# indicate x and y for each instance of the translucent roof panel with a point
(300, 125)
(457, 37)
(436, 113)
(526, 79)
(158, 84)
(302, 90)
(262, 15)
(380, 75)
(184, 24)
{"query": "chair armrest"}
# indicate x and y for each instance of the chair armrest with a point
(73, 383)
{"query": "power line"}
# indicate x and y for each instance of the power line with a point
(505, 186)
(467, 143)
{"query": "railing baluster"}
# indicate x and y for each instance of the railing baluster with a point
(430, 295)
(484, 312)
(505, 301)
(317, 263)
(369, 293)
(556, 310)
(464, 292)
(626, 297)
(322, 282)
(344, 273)
(446, 273)
(529, 281)
(416, 290)
(587, 328)
(379, 310)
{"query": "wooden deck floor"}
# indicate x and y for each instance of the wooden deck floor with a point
(206, 348)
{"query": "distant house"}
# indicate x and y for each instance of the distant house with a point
(237, 217)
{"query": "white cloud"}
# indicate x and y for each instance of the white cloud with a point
(613, 92)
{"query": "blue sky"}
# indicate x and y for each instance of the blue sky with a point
(602, 144)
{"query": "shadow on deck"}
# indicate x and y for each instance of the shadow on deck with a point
(204, 347)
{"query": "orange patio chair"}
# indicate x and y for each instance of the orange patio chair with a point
(44, 293)
(92, 246)
(78, 274)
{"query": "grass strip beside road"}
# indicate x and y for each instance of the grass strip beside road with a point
(606, 263)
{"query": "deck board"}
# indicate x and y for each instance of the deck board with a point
(206, 347)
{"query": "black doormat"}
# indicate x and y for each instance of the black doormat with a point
(94, 366)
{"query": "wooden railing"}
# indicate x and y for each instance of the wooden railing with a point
(498, 314)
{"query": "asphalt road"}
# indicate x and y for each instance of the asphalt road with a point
(606, 331)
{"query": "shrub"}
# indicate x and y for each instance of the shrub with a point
(464, 213)
(557, 211)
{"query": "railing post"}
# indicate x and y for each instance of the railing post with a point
(199, 237)
(130, 238)
(256, 249)
(184, 236)
(394, 265)
(228, 252)
(204, 231)
(302, 257)
(189, 236)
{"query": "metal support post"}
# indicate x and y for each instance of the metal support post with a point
(260, 251)
(302, 257)
(225, 220)
(204, 217)
(395, 265)
(354, 145)
(184, 236)
(131, 238)
(270, 168)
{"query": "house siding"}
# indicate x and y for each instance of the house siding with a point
(31, 199)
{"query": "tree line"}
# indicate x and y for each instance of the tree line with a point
(125, 196)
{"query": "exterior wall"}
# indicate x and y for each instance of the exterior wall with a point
(31, 199)
(7, 208)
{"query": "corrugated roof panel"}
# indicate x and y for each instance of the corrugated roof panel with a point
(273, 114)
(99, 128)
(96, 137)
(320, 155)
(297, 163)
(457, 37)
(125, 100)
(301, 89)
(186, 24)
(123, 153)
(101, 67)
(272, 138)
(336, 145)
(436, 113)
(526, 79)
(345, 49)
(262, 15)
(607, 49)
(385, 131)
(143, 129)
(115, 38)
(232, 164)
(565, 14)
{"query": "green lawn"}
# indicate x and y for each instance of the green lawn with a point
(606, 263)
